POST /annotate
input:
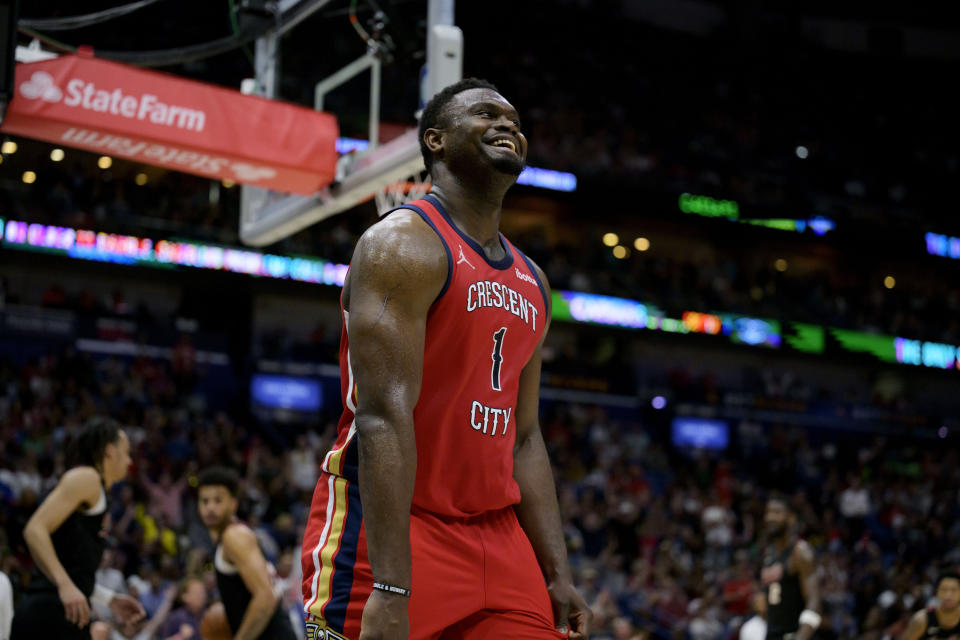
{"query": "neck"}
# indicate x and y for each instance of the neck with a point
(949, 615)
(781, 542)
(216, 532)
(474, 204)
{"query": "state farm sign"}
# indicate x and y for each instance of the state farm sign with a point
(86, 95)
(172, 122)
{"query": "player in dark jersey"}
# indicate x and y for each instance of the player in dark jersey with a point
(436, 513)
(244, 577)
(789, 577)
(942, 620)
(65, 538)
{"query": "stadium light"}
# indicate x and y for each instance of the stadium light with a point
(9, 147)
(641, 244)
(57, 155)
(611, 239)
(104, 162)
(29, 177)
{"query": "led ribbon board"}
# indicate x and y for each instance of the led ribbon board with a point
(943, 246)
(110, 247)
(708, 207)
(568, 306)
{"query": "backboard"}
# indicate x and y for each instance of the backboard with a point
(268, 216)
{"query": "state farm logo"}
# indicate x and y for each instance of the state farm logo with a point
(41, 86)
(86, 95)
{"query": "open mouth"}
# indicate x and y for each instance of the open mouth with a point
(504, 143)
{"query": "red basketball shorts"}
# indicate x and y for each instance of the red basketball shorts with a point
(472, 578)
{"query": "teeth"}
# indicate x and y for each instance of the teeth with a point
(505, 143)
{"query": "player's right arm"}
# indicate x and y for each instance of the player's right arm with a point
(78, 487)
(398, 269)
(917, 626)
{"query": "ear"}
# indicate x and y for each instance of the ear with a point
(434, 139)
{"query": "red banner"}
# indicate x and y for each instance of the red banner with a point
(164, 120)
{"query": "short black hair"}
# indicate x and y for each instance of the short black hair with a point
(949, 574)
(89, 445)
(219, 477)
(433, 112)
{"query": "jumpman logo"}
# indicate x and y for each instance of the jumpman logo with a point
(463, 258)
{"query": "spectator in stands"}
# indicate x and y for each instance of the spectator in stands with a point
(185, 620)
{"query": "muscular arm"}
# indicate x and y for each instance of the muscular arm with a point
(538, 511)
(398, 269)
(241, 548)
(78, 487)
(917, 626)
(805, 564)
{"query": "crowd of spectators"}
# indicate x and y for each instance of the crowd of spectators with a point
(664, 542)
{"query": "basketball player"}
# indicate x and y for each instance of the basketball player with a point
(942, 620)
(65, 539)
(244, 577)
(789, 577)
(435, 515)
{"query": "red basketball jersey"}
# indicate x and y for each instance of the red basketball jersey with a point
(480, 333)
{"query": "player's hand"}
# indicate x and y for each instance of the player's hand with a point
(126, 609)
(570, 611)
(385, 617)
(75, 605)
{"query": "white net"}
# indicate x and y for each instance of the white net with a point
(399, 193)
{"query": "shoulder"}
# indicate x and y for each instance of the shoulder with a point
(402, 249)
(540, 273)
(919, 620)
(802, 558)
(803, 551)
(238, 536)
(82, 482)
(402, 235)
(542, 277)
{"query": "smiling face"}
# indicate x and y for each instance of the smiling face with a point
(480, 131)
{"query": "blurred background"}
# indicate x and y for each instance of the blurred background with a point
(762, 195)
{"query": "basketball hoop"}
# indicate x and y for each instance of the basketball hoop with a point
(400, 193)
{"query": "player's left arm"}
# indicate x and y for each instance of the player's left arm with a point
(240, 545)
(804, 562)
(538, 511)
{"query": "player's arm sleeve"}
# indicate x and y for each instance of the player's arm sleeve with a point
(240, 545)
(538, 511)
(917, 626)
(77, 487)
(398, 270)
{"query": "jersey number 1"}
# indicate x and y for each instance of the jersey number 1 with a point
(497, 358)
